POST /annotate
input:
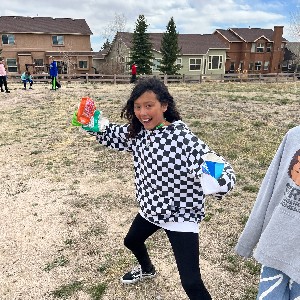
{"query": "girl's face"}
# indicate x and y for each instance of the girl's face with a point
(149, 111)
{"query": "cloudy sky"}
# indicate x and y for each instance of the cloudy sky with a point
(190, 16)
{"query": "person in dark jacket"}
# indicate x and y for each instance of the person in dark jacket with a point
(53, 70)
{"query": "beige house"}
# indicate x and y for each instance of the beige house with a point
(28, 42)
(200, 54)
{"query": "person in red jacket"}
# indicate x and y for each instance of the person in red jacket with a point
(133, 73)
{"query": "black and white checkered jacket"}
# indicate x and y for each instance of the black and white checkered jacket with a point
(167, 164)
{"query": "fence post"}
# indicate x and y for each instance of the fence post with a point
(165, 79)
(86, 77)
(115, 78)
(183, 78)
(200, 79)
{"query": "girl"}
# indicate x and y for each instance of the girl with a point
(171, 179)
(273, 226)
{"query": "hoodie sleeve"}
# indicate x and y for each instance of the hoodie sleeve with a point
(114, 136)
(257, 219)
(213, 184)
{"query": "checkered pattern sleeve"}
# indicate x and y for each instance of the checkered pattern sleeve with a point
(224, 183)
(114, 136)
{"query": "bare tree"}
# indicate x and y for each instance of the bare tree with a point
(116, 25)
(116, 65)
(294, 32)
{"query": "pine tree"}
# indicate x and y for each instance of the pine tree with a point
(106, 45)
(141, 50)
(170, 50)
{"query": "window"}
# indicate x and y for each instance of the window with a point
(266, 65)
(253, 47)
(215, 62)
(179, 62)
(156, 64)
(269, 47)
(57, 40)
(12, 65)
(232, 67)
(38, 62)
(8, 39)
(82, 64)
(260, 47)
(251, 66)
(195, 64)
(257, 65)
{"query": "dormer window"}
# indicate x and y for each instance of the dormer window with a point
(57, 40)
(8, 39)
(260, 47)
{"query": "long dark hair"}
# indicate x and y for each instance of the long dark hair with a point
(144, 85)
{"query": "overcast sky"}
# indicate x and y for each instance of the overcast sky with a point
(190, 16)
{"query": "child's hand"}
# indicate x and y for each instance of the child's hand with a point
(94, 123)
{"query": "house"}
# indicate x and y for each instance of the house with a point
(253, 50)
(28, 42)
(200, 54)
(291, 62)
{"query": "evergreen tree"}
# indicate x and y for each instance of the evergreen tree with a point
(106, 45)
(141, 50)
(170, 50)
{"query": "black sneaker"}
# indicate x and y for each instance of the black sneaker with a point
(137, 274)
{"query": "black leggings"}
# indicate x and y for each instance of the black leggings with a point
(185, 246)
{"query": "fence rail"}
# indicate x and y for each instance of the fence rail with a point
(119, 79)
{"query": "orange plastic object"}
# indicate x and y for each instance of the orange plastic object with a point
(86, 110)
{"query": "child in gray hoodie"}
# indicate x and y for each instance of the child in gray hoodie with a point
(273, 227)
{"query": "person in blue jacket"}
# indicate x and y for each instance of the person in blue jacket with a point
(53, 71)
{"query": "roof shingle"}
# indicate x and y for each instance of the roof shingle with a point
(18, 24)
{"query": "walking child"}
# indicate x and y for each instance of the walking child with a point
(3, 77)
(53, 71)
(174, 171)
(273, 225)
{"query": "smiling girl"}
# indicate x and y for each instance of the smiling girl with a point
(171, 179)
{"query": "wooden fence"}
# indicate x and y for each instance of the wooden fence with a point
(119, 79)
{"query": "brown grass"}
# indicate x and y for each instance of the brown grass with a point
(66, 202)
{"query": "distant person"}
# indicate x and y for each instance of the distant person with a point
(53, 71)
(273, 227)
(3, 77)
(133, 73)
(26, 77)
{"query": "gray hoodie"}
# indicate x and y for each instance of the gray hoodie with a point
(273, 226)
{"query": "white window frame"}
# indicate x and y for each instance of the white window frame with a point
(84, 63)
(260, 47)
(11, 64)
(211, 62)
(156, 64)
(10, 39)
(196, 62)
(269, 47)
(257, 65)
(58, 40)
(179, 62)
(266, 65)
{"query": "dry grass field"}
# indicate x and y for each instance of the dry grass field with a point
(66, 202)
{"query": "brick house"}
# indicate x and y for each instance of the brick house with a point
(200, 54)
(28, 42)
(254, 50)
